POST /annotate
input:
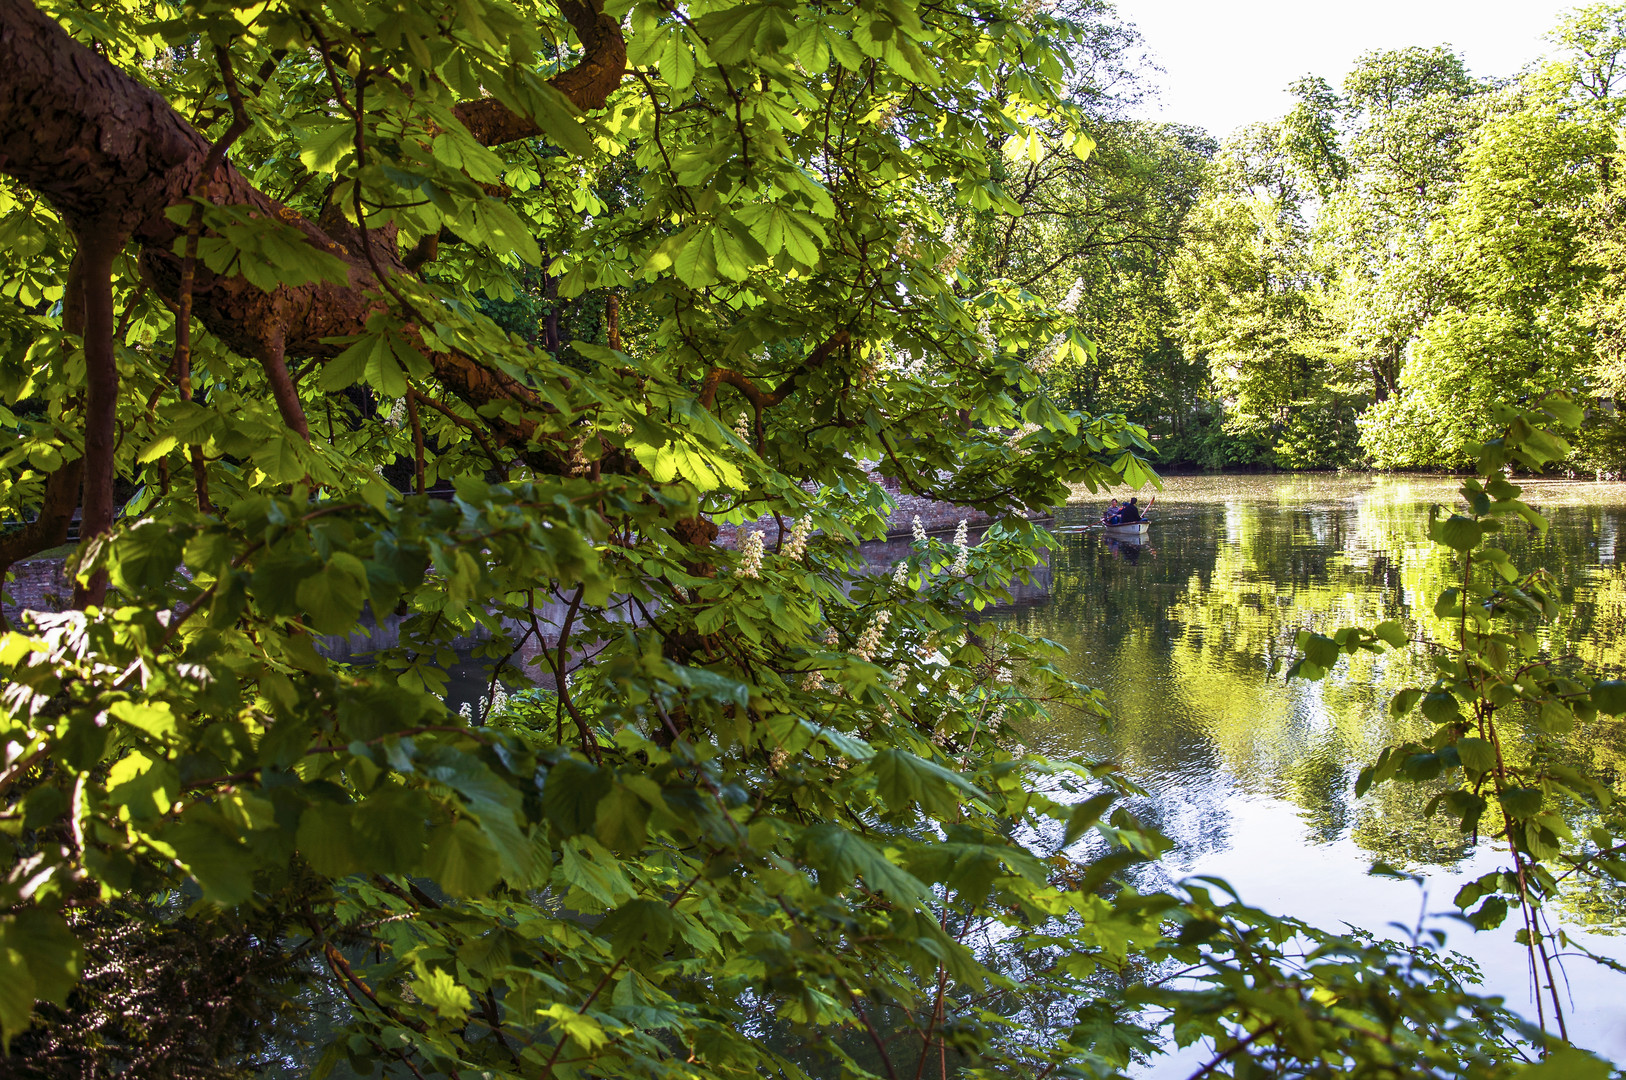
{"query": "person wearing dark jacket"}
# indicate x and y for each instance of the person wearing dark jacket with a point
(1131, 512)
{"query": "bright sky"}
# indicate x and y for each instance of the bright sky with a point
(1228, 63)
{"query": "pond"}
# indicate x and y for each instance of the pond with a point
(1253, 777)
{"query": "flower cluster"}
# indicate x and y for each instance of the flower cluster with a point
(751, 555)
(962, 558)
(869, 642)
(796, 546)
(986, 340)
(951, 261)
(920, 531)
(742, 428)
(892, 360)
(1074, 297)
(885, 113)
(812, 682)
(1047, 356)
(900, 575)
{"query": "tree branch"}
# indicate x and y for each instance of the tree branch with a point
(767, 399)
(111, 155)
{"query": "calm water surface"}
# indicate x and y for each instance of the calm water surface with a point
(1253, 778)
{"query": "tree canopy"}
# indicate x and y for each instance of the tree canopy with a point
(422, 332)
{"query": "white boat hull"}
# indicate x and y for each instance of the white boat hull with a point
(1135, 530)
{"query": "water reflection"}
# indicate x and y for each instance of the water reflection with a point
(1253, 778)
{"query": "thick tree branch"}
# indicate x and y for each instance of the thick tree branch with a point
(767, 399)
(587, 85)
(94, 265)
(111, 155)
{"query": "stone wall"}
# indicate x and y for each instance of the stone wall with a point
(38, 585)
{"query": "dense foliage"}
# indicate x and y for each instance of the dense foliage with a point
(285, 320)
(1356, 283)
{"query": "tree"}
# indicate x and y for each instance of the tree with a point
(1248, 292)
(1509, 320)
(761, 791)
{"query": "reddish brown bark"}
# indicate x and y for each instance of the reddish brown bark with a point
(587, 85)
(97, 250)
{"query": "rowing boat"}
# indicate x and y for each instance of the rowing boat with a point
(1133, 530)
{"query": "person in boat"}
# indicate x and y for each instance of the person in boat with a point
(1130, 513)
(1114, 513)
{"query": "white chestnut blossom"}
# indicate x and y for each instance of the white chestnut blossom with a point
(751, 555)
(1074, 297)
(742, 427)
(900, 575)
(869, 642)
(920, 531)
(1047, 356)
(962, 558)
(796, 546)
(831, 638)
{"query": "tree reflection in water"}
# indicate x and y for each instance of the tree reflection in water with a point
(1252, 777)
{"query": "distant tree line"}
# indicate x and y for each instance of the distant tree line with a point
(1351, 285)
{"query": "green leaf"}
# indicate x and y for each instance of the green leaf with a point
(49, 948)
(390, 829)
(332, 598)
(222, 866)
(1440, 707)
(152, 718)
(840, 857)
(146, 786)
(644, 926)
(1521, 803)
(1477, 754)
(1392, 632)
(571, 794)
(1567, 1063)
(16, 994)
(1404, 702)
(437, 988)
(1320, 650)
(620, 820)
(1456, 531)
(1609, 696)
(461, 860)
(1086, 814)
(326, 840)
(902, 778)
